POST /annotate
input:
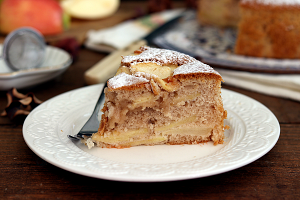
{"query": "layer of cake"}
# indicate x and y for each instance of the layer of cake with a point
(183, 135)
(269, 29)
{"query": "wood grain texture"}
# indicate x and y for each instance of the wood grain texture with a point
(23, 175)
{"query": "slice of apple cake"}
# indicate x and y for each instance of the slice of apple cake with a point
(161, 97)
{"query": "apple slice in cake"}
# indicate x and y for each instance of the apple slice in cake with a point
(161, 97)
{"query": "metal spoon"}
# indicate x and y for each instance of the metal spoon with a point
(24, 48)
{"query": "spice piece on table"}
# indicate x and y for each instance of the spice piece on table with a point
(19, 104)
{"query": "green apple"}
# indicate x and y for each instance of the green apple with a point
(47, 16)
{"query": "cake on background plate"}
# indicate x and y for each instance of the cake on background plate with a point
(265, 28)
(161, 97)
(269, 28)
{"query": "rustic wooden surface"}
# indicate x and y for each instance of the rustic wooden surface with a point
(26, 176)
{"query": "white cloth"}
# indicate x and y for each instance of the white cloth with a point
(122, 35)
(286, 86)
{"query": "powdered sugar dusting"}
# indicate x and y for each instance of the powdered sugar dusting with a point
(124, 79)
(194, 67)
(186, 65)
(159, 56)
(274, 2)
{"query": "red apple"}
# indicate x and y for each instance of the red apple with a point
(44, 15)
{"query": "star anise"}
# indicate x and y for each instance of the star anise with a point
(19, 104)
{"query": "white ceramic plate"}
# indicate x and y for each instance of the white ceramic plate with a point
(56, 62)
(254, 131)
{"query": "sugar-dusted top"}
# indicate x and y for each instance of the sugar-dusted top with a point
(273, 2)
(194, 67)
(159, 56)
(162, 57)
(124, 79)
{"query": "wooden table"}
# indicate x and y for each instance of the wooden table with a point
(25, 175)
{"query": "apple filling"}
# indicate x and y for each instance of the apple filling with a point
(161, 134)
(118, 110)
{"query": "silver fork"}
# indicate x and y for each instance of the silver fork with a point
(92, 125)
